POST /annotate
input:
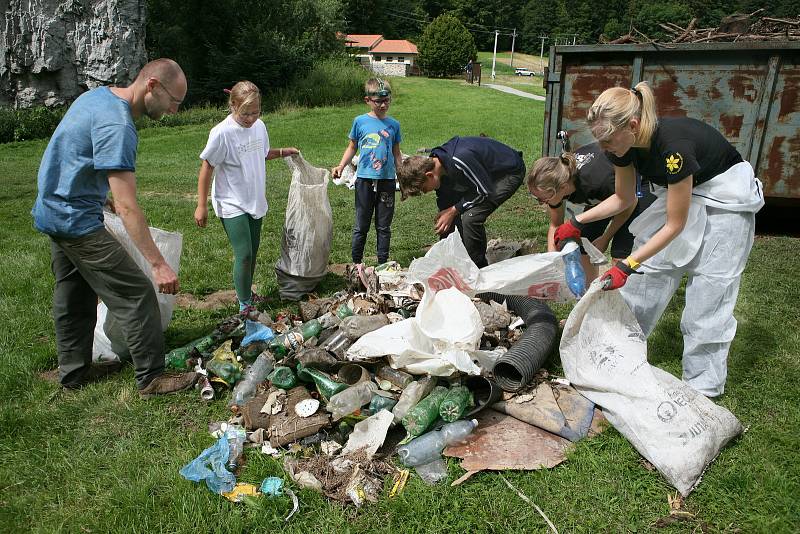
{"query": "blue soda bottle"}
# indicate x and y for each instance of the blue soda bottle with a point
(573, 272)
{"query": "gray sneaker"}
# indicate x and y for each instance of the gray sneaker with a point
(168, 383)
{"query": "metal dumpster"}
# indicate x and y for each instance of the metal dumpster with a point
(749, 91)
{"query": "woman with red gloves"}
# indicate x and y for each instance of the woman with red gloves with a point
(701, 224)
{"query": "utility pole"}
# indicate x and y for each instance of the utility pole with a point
(541, 53)
(494, 55)
(513, 39)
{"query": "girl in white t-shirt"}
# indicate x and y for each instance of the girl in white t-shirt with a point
(234, 159)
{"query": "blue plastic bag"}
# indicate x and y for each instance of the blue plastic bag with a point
(272, 486)
(211, 465)
(255, 331)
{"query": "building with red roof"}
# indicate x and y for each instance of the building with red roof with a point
(389, 57)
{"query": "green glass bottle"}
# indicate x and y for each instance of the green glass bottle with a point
(285, 343)
(282, 377)
(179, 358)
(327, 386)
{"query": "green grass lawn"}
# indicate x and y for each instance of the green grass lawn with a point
(102, 460)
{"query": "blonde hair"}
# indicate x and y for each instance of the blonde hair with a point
(615, 107)
(376, 84)
(550, 174)
(411, 175)
(243, 94)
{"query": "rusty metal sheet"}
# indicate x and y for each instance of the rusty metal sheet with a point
(749, 91)
(502, 442)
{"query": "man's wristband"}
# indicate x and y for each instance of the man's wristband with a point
(632, 263)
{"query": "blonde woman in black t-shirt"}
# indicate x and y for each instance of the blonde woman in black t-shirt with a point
(577, 181)
(701, 224)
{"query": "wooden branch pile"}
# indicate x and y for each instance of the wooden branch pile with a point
(735, 28)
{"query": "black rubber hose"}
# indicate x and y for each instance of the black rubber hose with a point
(515, 369)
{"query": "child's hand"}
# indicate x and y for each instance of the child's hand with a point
(336, 171)
(201, 216)
(289, 151)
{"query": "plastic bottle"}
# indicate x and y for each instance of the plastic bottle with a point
(428, 447)
(422, 416)
(573, 272)
(380, 402)
(351, 399)
(179, 358)
(283, 344)
(224, 365)
(455, 403)
(255, 374)
(356, 326)
(412, 394)
(397, 377)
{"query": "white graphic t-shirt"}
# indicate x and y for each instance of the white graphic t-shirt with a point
(238, 156)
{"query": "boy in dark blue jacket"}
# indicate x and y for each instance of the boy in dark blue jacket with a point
(472, 177)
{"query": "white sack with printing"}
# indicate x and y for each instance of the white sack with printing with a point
(604, 354)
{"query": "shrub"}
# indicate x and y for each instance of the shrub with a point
(445, 47)
(648, 18)
(331, 81)
(27, 124)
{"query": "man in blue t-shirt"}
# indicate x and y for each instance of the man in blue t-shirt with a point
(92, 152)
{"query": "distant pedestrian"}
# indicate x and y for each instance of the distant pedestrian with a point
(93, 151)
(472, 177)
(376, 137)
(234, 160)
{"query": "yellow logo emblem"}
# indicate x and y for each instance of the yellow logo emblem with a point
(674, 163)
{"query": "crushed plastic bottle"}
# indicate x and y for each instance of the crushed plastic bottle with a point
(428, 447)
(282, 377)
(573, 271)
(421, 417)
(351, 399)
(397, 377)
(455, 403)
(255, 374)
(224, 365)
(179, 358)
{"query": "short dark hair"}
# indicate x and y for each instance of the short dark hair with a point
(411, 175)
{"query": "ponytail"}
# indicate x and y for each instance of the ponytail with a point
(615, 107)
(550, 174)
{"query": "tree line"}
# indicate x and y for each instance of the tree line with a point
(275, 42)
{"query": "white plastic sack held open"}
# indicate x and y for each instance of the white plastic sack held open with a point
(447, 264)
(604, 354)
(109, 343)
(307, 232)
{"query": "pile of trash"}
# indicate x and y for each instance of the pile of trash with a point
(440, 360)
(412, 362)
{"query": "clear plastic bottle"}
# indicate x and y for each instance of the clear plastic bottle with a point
(351, 399)
(573, 272)
(255, 374)
(428, 447)
(412, 394)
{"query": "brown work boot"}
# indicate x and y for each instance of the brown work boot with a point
(168, 383)
(97, 371)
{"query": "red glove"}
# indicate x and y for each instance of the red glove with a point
(569, 230)
(616, 276)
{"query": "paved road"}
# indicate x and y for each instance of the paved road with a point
(513, 91)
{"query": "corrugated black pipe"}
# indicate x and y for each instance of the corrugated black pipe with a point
(515, 369)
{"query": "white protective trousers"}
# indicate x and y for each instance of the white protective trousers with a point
(712, 251)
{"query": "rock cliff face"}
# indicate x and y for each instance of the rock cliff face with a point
(51, 51)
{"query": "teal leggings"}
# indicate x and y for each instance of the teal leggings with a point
(244, 233)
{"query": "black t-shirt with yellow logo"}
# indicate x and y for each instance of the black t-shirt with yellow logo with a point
(681, 147)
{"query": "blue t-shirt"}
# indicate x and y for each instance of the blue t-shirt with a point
(375, 138)
(95, 136)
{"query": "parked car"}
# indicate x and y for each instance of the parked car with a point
(522, 71)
